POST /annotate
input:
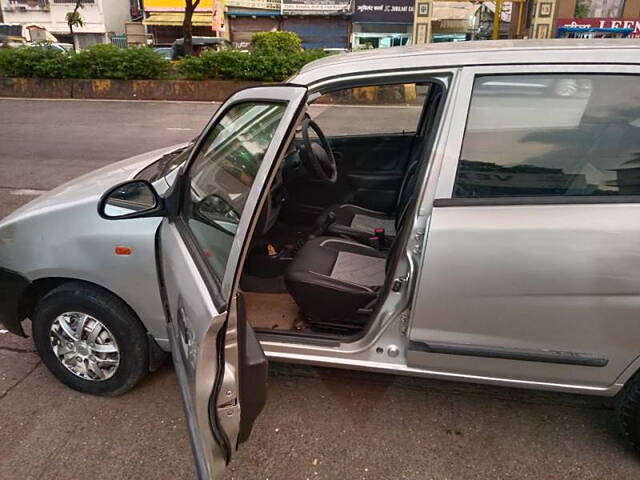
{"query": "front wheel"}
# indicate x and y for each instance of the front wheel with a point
(90, 339)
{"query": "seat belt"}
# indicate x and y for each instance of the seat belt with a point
(379, 239)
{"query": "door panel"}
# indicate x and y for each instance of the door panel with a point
(373, 153)
(370, 170)
(201, 249)
(539, 280)
(373, 168)
(254, 377)
(196, 332)
(530, 270)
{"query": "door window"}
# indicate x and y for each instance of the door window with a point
(366, 110)
(222, 174)
(551, 135)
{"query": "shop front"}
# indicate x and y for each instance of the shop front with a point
(243, 24)
(166, 27)
(584, 18)
(608, 27)
(381, 23)
(242, 18)
(247, 17)
(322, 24)
(163, 20)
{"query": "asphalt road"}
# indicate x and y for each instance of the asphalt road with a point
(317, 424)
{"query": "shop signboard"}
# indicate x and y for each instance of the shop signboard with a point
(315, 7)
(207, 5)
(633, 23)
(383, 11)
(256, 4)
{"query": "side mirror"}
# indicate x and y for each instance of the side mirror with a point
(131, 199)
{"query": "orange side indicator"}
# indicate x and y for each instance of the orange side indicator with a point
(123, 250)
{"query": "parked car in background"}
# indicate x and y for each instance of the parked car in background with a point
(200, 45)
(166, 52)
(62, 47)
(413, 211)
(8, 41)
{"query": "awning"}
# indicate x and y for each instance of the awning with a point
(176, 18)
(253, 13)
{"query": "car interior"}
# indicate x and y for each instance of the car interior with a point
(330, 231)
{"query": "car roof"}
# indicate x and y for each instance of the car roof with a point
(485, 52)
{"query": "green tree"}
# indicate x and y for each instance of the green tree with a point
(583, 7)
(187, 25)
(74, 19)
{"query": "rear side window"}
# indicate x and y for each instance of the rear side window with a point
(551, 135)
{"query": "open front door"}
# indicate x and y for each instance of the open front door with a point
(219, 363)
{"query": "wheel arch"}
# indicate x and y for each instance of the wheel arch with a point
(40, 287)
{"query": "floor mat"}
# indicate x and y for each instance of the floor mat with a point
(251, 283)
(271, 311)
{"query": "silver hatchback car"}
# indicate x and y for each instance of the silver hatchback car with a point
(468, 212)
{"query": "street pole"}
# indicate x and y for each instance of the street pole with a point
(496, 20)
(518, 27)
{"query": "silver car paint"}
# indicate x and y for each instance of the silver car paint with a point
(60, 235)
(537, 277)
(194, 330)
(94, 260)
(197, 318)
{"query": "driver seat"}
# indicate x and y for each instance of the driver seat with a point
(336, 282)
(332, 279)
(360, 223)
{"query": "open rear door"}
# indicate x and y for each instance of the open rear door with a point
(201, 247)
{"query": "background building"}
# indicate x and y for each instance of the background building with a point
(246, 17)
(318, 23)
(163, 19)
(599, 14)
(527, 18)
(102, 18)
(483, 21)
(381, 23)
(454, 21)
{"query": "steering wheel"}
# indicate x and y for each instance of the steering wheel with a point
(318, 157)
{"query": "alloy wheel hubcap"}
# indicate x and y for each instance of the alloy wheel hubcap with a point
(85, 346)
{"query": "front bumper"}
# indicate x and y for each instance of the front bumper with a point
(12, 290)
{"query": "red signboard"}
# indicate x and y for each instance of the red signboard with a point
(602, 23)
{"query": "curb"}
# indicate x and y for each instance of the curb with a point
(178, 90)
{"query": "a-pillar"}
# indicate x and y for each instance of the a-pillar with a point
(422, 13)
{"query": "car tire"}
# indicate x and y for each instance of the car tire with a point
(90, 339)
(627, 410)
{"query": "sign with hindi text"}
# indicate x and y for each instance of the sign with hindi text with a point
(633, 23)
(383, 11)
